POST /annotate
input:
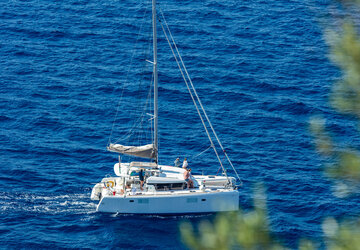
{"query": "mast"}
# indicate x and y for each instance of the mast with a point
(155, 72)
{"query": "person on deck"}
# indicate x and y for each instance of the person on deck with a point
(190, 177)
(187, 178)
(177, 163)
(141, 178)
(185, 164)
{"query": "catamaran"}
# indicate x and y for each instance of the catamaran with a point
(146, 187)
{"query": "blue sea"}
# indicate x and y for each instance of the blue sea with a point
(73, 74)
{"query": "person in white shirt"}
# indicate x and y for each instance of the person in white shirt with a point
(185, 164)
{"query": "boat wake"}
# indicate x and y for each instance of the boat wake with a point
(46, 203)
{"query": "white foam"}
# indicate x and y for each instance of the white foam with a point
(45, 203)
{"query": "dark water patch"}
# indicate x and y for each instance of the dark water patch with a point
(4, 118)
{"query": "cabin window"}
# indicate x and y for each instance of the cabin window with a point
(131, 200)
(203, 199)
(169, 186)
(177, 186)
(162, 187)
(143, 201)
(192, 200)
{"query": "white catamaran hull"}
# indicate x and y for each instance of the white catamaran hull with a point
(226, 200)
(150, 188)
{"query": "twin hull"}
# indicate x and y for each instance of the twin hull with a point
(207, 202)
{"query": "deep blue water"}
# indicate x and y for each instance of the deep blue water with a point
(260, 67)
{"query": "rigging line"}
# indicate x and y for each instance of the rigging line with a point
(148, 102)
(131, 131)
(127, 74)
(144, 112)
(140, 117)
(143, 74)
(151, 104)
(138, 96)
(192, 97)
(187, 85)
(201, 152)
(217, 172)
(139, 120)
(207, 118)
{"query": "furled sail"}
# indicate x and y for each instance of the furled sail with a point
(146, 151)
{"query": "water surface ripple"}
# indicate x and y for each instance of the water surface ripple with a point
(260, 68)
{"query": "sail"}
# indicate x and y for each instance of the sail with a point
(146, 151)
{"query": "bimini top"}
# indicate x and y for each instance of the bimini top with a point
(164, 180)
(138, 164)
